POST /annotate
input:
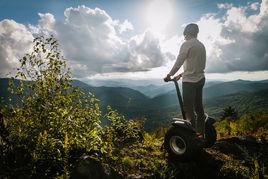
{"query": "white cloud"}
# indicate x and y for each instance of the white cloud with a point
(250, 35)
(237, 18)
(264, 8)
(245, 75)
(224, 5)
(173, 44)
(91, 40)
(46, 20)
(15, 40)
(125, 26)
(254, 6)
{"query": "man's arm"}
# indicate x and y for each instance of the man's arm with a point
(180, 59)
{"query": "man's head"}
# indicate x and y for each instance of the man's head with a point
(191, 30)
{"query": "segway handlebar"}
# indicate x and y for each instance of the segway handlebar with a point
(171, 79)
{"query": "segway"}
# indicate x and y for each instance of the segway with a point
(181, 140)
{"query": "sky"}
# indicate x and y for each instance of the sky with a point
(139, 39)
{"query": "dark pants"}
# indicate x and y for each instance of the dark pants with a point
(193, 105)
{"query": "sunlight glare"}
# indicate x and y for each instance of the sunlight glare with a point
(158, 14)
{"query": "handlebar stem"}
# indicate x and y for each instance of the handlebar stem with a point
(179, 97)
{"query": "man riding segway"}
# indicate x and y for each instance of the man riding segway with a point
(181, 140)
(192, 56)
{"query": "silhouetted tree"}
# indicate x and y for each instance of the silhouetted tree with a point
(230, 113)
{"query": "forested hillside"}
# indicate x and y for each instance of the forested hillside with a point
(158, 110)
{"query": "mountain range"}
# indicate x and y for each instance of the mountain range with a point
(150, 87)
(245, 96)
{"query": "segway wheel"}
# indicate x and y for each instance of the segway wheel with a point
(210, 136)
(180, 144)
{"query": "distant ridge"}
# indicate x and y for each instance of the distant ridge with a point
(236, 86)
(245, 96)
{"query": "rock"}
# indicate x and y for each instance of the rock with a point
(88, 168)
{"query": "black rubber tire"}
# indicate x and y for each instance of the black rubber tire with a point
(189, 139)
(210, 136)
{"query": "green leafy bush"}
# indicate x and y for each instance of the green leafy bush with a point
(51, 118)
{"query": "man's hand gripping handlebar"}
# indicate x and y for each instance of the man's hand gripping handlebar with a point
(176, 78)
